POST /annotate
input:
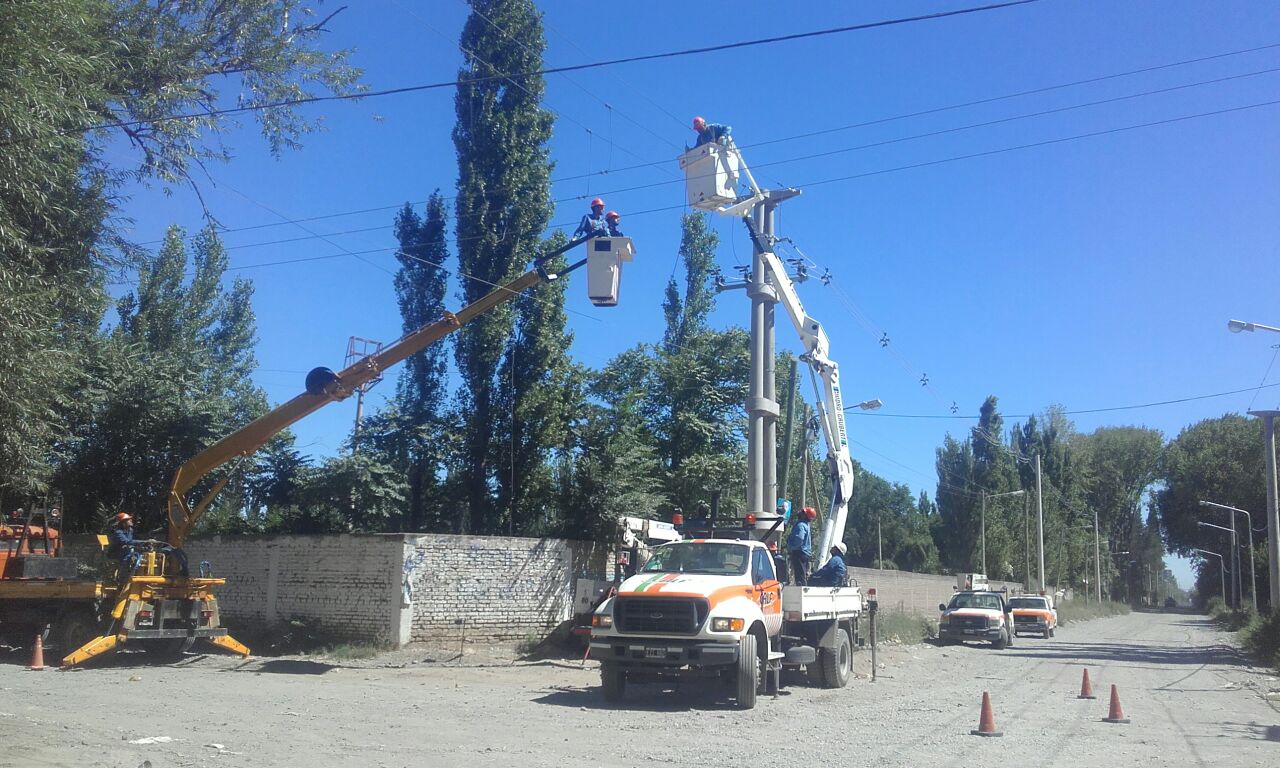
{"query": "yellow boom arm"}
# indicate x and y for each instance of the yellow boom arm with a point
(322, 390)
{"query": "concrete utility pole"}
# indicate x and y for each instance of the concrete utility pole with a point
(1040, 521)
(1248, 526)
(1097, 556)
(1273, 508)
(359, 349)
(1222, 570)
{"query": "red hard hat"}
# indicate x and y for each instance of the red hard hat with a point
(123, 517)
(809, 513)
(596, 202)
(612, 215)
(698, 122)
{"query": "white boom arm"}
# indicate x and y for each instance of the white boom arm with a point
(830, 402)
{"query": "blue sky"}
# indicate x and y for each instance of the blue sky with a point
(1089, 273)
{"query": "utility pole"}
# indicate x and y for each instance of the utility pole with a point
(361, 349)
(788, 432)
(879, 547)
(1097, 555)
(1040, 521)
(1026, 541)
(1273, 506)
(984, 533)
(1248, 526)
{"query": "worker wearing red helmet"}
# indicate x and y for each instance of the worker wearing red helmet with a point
(711, 132)
(593, 224)
(122, 545)
(800, 545)
(611, 219)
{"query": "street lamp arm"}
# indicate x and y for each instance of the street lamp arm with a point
(1219, 527)
(1236, 326)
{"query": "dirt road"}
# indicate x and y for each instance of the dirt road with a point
(1192, 699)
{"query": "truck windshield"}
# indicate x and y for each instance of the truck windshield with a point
(699, 557)
(1034, 603)
(987, 602)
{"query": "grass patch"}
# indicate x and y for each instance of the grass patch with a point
(1077, 610)
(903, 628)
(351, 651)
(1259, 634)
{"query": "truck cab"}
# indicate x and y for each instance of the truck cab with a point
(715, 608)
(976, 615)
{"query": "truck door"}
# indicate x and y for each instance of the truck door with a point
(768, 590)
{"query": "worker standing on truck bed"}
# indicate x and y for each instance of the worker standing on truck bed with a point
(800, 544)
(593, 224)
(122, 545)
(833, 573)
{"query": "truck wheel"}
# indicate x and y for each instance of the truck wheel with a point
(169, 647)
(748, 672)
(74, 628)
(613, 679)
(1002, 642)
(1048, 633)
(836, 662)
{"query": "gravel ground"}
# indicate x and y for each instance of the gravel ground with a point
(1193, 701)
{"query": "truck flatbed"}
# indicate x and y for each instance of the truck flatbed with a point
(816, 603)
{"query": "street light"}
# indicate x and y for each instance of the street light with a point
(985, 496)
(1248, 519)
(1235, 561)
(870, 405)
(1236, 326)
(1221, 570)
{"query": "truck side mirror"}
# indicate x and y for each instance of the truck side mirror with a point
(942, 607)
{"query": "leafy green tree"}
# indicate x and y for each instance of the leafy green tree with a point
(502, 205)
(420, 289)
(353, 492)
(172, 379)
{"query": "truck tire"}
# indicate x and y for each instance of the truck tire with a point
(169, 647)
(748, 677)
(1048, 633)
(73, 628)
(1002, 642)
(836, 663)
(613, 679)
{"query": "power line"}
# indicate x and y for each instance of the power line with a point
(854, 409)
(542, 72)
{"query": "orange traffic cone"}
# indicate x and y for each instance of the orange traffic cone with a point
(1086, 688)
(37, 655)
(986, 721)
(1117, 714)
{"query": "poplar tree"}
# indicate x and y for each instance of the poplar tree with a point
(503, 204)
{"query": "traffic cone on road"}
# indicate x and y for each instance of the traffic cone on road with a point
(1117, 714)
(986, 721)
(1086, 688)
(37, 655)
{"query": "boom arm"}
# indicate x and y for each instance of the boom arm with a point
(830, 403)
(324, 387)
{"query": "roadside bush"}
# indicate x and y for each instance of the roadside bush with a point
(902, 628)
(1261, 638)
(1231, 619)
(1078, 610)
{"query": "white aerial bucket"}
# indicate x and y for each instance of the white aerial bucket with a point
(710, 176)
(604, 268)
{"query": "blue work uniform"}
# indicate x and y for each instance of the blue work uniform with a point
(800, 544)
(714, 132)
(614, 231)
(830, 575)
(122, 548)
(591, 226)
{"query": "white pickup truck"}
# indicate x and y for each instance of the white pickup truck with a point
(715, 608)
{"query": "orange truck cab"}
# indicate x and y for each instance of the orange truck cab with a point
(1034, 614)
(31, 549)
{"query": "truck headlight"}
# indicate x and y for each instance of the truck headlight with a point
(726, 625)
(601, 620)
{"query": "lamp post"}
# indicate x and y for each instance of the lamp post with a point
(1235, 561)
(1248, 525)
(1221, 571)
(986, 496)
(1269, 466)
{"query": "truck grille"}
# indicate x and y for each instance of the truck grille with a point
(1025, 619)
(668, 615)
(969, 622)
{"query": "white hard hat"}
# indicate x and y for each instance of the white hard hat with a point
(840, 546)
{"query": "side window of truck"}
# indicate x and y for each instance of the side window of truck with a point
(761, 567)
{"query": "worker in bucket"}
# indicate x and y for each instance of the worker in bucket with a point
(709, 133)
(122, 545)
(611, 219)
(833, 573)
(593, 224)
(800, 545)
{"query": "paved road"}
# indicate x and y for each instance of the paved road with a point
(1192, 699)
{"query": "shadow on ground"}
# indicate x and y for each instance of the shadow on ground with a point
(645, 697)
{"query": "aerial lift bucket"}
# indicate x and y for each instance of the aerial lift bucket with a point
(604, 268)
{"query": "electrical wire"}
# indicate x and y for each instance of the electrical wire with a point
(1263, 381)
(542, 72)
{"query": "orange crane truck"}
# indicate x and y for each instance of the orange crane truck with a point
(161, 606)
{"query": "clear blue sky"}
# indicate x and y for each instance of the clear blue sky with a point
(1088, 273)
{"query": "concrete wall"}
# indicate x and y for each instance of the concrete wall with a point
(907, 592)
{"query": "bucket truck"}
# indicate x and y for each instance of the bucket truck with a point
(714, 605)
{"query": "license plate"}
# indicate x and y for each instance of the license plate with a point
(655, 653)
(972, 631)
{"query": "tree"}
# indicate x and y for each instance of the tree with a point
(172, 379)
(420, 288)
(503, 203)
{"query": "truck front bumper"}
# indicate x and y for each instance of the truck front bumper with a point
(955, 633)
(1038, 626)
(663, 652)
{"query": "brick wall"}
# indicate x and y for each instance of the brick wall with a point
(493, 587)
